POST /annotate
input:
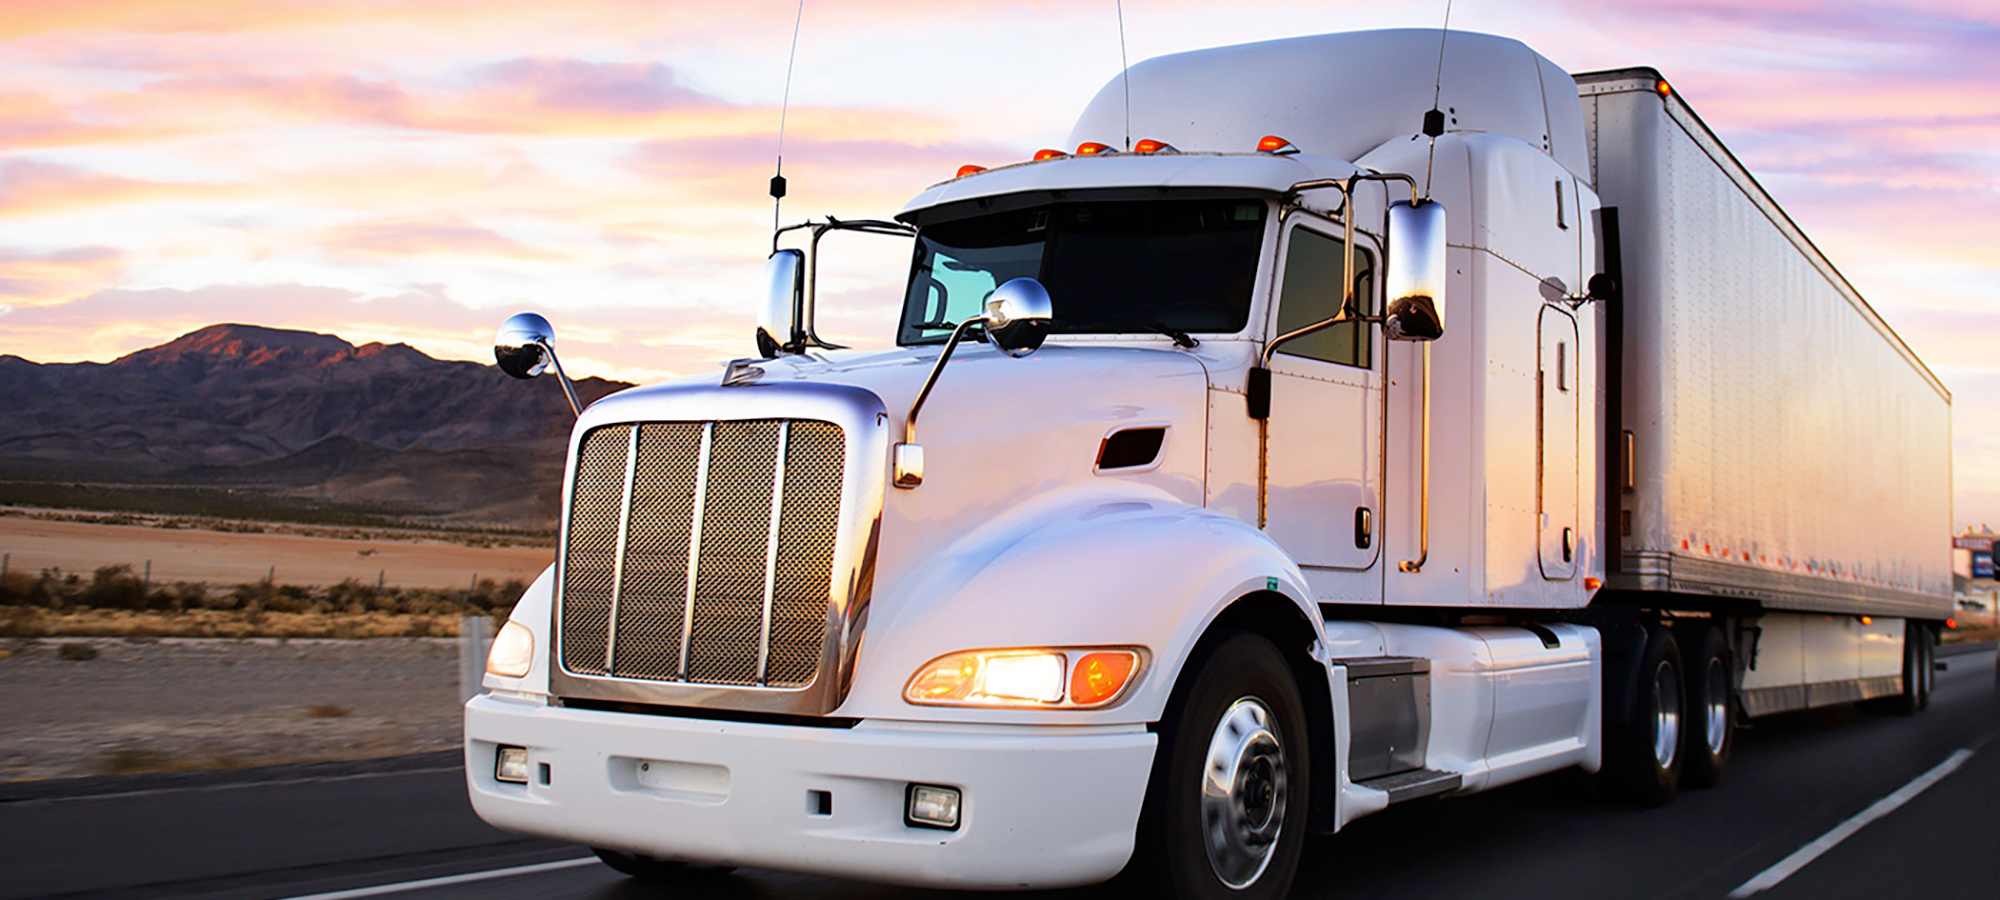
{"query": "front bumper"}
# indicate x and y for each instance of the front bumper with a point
(1043, 807)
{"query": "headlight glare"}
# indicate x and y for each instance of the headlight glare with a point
(513, 652)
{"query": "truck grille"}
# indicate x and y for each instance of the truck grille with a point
(702, 552)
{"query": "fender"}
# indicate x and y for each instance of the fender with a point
(1114, 566)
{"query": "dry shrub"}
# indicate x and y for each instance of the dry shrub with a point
(76, 651)
(136, 760)
(115, 587)
(19, 588)
(326, 711)
(21, 622)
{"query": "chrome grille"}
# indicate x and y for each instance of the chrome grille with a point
(702, 552)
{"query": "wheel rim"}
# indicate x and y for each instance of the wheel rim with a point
(1243, 793)
(1718, 706)
(1666, 715)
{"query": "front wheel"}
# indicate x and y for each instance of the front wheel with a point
(1225, 811)
(1642, 756)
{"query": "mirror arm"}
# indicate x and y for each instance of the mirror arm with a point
(569, 390)
(910, 421)
(805, 331)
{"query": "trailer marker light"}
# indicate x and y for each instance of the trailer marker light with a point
(1274, 144)
(1149, 145)
(510, 764)
(969, 169)
(1092, 148)
(931, 806)
(1951, 624)
(1100, 676)
(1048, 154)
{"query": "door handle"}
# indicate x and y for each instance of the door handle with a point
(1364, 527)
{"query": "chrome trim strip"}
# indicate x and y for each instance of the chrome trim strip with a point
(771, 550)
(694, 543)
(618, 553)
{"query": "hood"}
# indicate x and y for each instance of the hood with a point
(998, 433)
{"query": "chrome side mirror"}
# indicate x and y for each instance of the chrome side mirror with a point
(1415, 272)
(1017, 316)
(522, 348)
(784, 290)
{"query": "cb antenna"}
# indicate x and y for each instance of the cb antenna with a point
(778, 178)
(1124, 74)
(1433, 120)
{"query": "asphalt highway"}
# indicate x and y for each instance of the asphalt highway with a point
(1834, 803)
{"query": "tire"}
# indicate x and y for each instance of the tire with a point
(1710, 726)
(653, 870)
(1239, 715)
(1642, 757)
(1919, 674)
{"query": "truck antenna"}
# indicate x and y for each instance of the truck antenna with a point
(778, 178)
(1433, 120)
(1124, 74)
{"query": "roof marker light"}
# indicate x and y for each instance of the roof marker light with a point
(1092, 148)
(1274, 144)
(1048, 154)
(1152, 146)
(1663, 88)
(969, 169)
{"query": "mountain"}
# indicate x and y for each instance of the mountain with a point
(301, 414)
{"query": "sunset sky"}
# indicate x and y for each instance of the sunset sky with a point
(415, 170)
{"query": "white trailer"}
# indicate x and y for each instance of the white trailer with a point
(1293, 462)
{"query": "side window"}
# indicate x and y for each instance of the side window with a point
(1310, 292)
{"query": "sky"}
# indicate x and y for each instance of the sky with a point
(416, 170)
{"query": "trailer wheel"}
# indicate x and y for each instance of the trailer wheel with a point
(1710, 729)
(1225, 811)
(1919, 671)
(1642, 757)
(654, 870)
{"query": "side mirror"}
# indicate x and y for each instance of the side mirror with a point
(1017, 316)
(521, 345)
(1415, 272)
(778, 320)
(522, 348)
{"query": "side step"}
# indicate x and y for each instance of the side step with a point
(1411, 785)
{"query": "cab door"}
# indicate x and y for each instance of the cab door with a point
(1556, 413)
(1323, 450)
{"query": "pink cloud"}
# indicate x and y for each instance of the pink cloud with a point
(450, 237)
(29, 187)
(61, 274)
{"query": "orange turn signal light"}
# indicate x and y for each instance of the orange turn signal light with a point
(969, 169)
(1048, 154)
(1100, 676)
(1591, 584)
(1091, 148)
(1152, 146)
(1272, 143)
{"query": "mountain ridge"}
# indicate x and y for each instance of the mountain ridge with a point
(302, 414)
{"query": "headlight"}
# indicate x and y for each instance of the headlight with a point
(1061, 678)
(513, 652)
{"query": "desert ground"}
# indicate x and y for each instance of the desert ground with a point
(170, 704)
(32, 543)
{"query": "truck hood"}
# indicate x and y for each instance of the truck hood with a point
(1001, 436)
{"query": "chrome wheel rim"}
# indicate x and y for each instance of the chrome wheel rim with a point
(1718, 706)
(1666, 715)
(1243, 793)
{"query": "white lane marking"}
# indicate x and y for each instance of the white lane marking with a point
(238, 785)
(1770, 877)
(420, 884)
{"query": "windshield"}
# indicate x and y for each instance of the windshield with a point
(1110, 266)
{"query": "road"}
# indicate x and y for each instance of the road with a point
(309, 830)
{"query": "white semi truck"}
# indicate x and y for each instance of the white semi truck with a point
(1309, 455)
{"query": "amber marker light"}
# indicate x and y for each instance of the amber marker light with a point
(969, 169)
(1152, 146)
(1664, 89)
(1092, 148)
(1100, 676)
(1048, 153)
(1591, 584)
(1272, 143)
